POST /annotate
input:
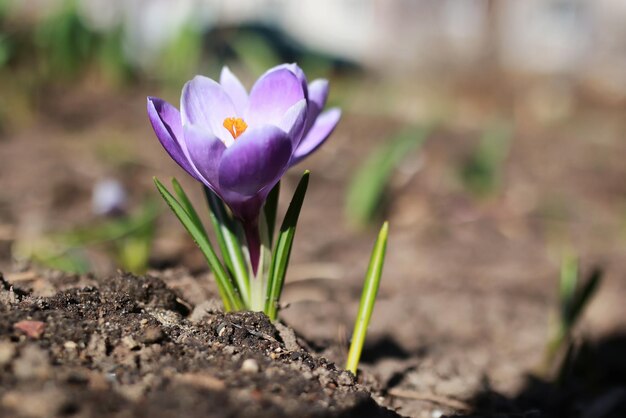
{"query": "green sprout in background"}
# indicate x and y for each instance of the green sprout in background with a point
(367, 190)
(482, 172)
(5, 49)
(574, 297)
(64, 42)
(128, 238)
(181, 56)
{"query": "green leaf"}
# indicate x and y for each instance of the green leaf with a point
(270, 209)
(133, 250)
(229, 295)
(130, 238)
(568, 284)
(583, 296)
(368, 299)
(573, 299)
(187, 205)
(482, 172)
(567, 364)
(72, 260)
(230, 246)
(367, 188)
(6, 49)
(180, 56)
(282, 251)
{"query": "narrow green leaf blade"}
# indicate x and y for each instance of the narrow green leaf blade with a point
(229, 243)
(367, 187)
(568, 284)
(368, 299)
(186, 204)
(482, 171)
(271, 208)
(282, 251)
(584, 295)
(228, 293)
(219, 217)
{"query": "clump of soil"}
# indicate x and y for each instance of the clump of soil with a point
(129, 346)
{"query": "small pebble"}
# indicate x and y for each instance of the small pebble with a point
(250, 366)
(70, 345)
(33, 329)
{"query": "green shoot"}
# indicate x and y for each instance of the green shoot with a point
(224, 227)
(280, 258)
(228, 293)
(482, 172)
(133, 249)
(270, 209)
(238, 288)
(186, 204)
(574, 297)
(366, 191)
(368, 298)
(128, 239)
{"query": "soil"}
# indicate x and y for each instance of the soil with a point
(129, 346)
(468, 294)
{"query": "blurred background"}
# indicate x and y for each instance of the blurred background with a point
(490, 133)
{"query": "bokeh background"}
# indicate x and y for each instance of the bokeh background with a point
(491, 134)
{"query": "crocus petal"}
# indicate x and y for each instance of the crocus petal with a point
(205, 151)
(297, 71)
(293, 122)
(256, 160)
(166, 122)
(321, 129)
(233, 87)
(205, 103)
(318, 93)
(271, 96)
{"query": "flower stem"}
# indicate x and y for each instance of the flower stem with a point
(253, 238)
(262, 257)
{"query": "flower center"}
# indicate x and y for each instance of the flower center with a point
(236, 126)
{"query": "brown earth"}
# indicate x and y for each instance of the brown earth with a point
(131, 347)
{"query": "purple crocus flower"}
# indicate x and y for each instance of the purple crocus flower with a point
(239, 144)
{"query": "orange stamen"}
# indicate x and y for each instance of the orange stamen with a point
(236, 126)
